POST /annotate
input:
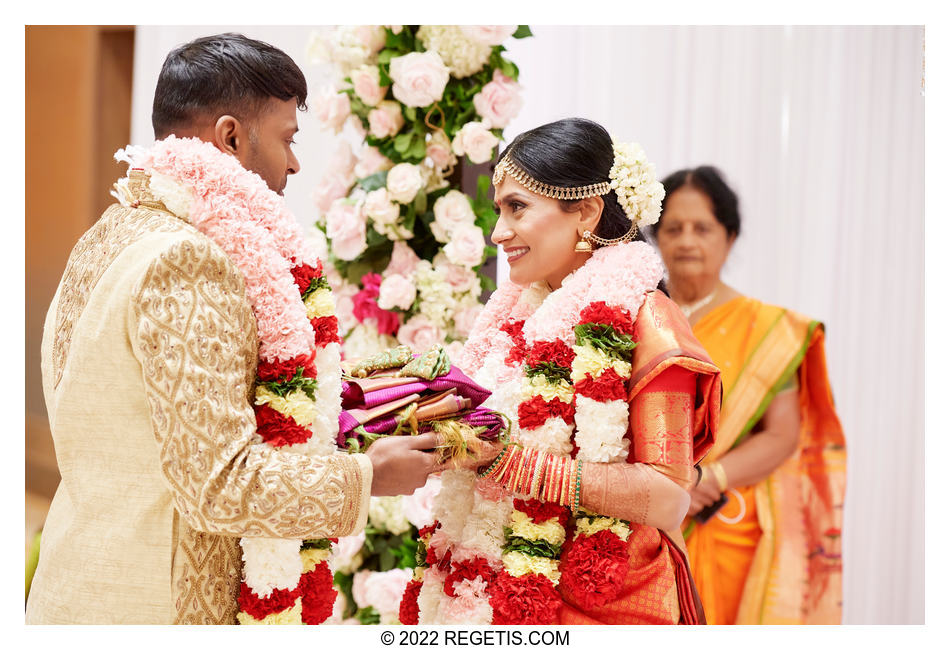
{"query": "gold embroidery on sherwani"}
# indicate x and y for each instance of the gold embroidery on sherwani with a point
(195, 334)
(119, 227)
(206, 578)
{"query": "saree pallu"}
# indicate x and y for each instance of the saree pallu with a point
(674, 396)
(773, 554)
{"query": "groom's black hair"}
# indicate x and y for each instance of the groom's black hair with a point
(224, 74)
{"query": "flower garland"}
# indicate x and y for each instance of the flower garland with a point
(297, 387)
(557, 363)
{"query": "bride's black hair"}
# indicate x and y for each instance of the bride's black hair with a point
(570, 153)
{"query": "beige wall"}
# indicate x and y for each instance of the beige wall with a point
(78, 112)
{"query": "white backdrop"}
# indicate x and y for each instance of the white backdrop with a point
(820, 132)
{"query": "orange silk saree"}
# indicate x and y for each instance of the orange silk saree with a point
(674, 395)
(773, 554)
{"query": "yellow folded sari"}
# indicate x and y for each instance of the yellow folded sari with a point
(773, 554)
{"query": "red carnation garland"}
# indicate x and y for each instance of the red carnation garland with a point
(409, 605)
(277, 601)
(530, 599)
(467, 570)
(534, 412)
(601, 314)
(514, 329)
(609, 386)
(555, 352)
(594, 568)
(317, 594)
(277, 429)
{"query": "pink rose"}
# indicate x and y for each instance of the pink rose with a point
(419, 333)
(403, 260)
(331, 108)
(397, 291)
(366, 308)
(380, 209)
(342, 161)
(370, 162)
(461, 278)
(381, 590)
(451, 211)
(499, 101)
(356, 124)
(345, 551)
(475, 141)
(330, 188)
(466, 246)
(346, 228)
(371, 37)
(418, 505)
(419, 78)
(386, 119)
(403, 182)
(366, 84)
(465, 319)
(439, 150)
(489, 34)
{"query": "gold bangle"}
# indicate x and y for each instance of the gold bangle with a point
(538, 472)
(715, 468)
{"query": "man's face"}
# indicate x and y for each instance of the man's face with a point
(270, 136)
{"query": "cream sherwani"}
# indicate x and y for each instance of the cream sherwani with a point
(149, 354)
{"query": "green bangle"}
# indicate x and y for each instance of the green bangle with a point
(577, 487)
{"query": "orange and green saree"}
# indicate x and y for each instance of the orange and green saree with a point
(772, 555)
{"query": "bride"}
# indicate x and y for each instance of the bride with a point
(612, 403)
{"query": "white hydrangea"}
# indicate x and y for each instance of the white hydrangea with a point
(364, 340)
(463, 55)
(387, 513)
(436, 298)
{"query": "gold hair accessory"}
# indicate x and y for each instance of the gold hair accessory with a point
(508, 166)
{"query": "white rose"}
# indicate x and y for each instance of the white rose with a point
(452, 210)
(396, 291)
(356, 124)
(366, 84)
(420, 333)
(489, 34)
(419, 78)
(499, 101)
(346, 229)
(345, 556)
(403, 260)
(383, 591)
(330, 188)
(371, 37)
(466, 246)
(378, 208)
(475, 141)
(403, 182)
(386, 119)
(331, 108)
(439, 150)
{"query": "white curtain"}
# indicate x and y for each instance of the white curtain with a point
(820, 132)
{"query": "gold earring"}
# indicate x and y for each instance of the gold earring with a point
(583, 244)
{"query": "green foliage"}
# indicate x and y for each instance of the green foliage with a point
(368, 616)
(523, 31)
(315, 285)
(384, 551)
(550, 371)
(344, 584)
(323, 544)
(298, 381)
(605, 338)
(534, 548)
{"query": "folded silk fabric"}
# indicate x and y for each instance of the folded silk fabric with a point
(386, 403)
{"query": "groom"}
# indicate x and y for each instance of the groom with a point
(150, 351)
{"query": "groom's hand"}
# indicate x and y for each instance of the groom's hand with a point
(401, 463)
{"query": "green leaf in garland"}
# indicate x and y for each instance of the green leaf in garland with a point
(323, 544)
(523, 31)
(344, 583)
(420, 202)
(315, 285)
(387, 560)
(552, 372)
(605, 338)
(297, 382)
(534, 548)
(508, 69)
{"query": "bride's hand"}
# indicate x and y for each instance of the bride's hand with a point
(479, 453)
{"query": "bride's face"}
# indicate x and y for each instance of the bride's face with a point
(536, 235)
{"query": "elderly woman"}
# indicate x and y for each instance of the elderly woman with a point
(771, 553)
(611, 401)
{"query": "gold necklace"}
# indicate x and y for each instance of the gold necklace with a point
(690, 309)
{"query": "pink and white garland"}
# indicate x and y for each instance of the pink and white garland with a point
(557, 364)
(297, 390)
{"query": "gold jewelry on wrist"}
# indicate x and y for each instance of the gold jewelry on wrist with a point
(722, 481)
